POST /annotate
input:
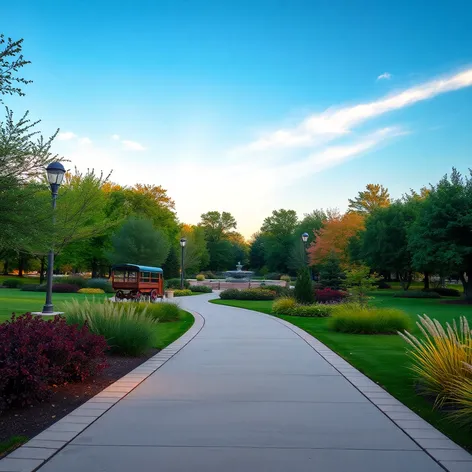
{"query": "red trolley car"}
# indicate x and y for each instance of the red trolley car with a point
(132, 282)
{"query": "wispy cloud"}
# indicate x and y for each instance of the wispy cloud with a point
(133, 145)
(331, 124)
(66, 136)
(384, 76)
(85, 141)
(115, 137)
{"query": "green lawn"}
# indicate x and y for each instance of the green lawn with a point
(382, 357)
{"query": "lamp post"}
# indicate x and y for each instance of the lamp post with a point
(305, 237)
(183, 242)
(55, 172)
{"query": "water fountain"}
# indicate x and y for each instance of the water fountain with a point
(238, 275)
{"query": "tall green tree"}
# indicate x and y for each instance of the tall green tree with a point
(11, 61)
(217, 225)
(304, 288)
(385, 240)
(138, 242)
(331, 274)
(442, 234)
(373, 197)
(171, 267)
(196, 252)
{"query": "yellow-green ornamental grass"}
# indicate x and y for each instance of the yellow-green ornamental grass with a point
(442, 358)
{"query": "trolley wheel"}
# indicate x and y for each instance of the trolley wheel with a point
(153, 295)
(137, 296)
(119, 295)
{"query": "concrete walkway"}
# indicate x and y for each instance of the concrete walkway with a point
(247, 394)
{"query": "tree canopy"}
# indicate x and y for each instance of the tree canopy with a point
(373, 197)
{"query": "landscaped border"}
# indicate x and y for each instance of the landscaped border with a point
(45, 445)
(443, 450)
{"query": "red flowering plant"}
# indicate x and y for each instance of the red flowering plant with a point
(328, 295)
(36, 353)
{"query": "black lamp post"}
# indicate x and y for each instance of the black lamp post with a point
(183, 242)
(55, 172)
(305, 237)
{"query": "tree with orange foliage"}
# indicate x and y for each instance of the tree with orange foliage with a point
(335, 236)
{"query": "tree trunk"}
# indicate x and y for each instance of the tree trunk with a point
(405, 279)
(426, 281)
(42, 269)
(21, 265)
(94, 269)
(5, 267)
(466, 279)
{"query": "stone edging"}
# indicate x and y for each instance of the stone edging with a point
(447, 453)
(42, 447)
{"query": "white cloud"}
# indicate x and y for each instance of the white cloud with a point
(115, 137)
(330, 124)
(85, 141)
(384, 76)
(133, 145)
(66, 136)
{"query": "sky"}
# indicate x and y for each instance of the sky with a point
(252, 106)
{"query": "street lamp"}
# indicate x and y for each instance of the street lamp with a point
(55, 172)
(183, 242)
(305, 237)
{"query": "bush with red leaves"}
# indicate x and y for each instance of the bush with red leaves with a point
(328, 295)
(36, 353)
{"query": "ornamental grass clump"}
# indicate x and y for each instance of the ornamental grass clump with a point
(288, 306)
(162, 311)
(284, 305)
(360, 319)
(127, 330)
(442, 359)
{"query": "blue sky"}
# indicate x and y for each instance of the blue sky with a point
(253, 105)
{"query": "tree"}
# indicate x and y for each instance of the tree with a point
(359, 283)
(217, 225)
(11, 60)
(312, 223)
(374, 196)
(303, 287)
(196, 251)
(137, 242)
(384, 245)
(331, 274)
(335, 236)
(297, 257)
(279, 230)
(257, 252)
(171, 266)
(442, 234)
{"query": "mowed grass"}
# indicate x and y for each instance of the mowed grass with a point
(383, 357)
(15, 301)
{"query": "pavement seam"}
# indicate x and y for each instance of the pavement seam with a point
(164, 356)
(306, 337)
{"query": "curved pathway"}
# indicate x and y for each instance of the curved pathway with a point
(248, 394)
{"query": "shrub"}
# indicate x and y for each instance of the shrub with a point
(317, 310)
(162, 311)
(359, 319)
(273, 276)
(208, 274)
(284, 305)
(182, 293)
(359, 282)
(439, 357)
(382, 285)
(303, 288)
(175, 283)
(91, 291)
(36, 353)
(331, 274)
(104, 284)
(12, 283)
(59, 288)
(200, 289)
(328, 295)
(416, 294)
(81, 282)
(446, 292)
(249, 294)
(200, 277)
(127, 330)
(30, 288)
(286, 278)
